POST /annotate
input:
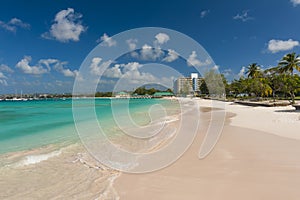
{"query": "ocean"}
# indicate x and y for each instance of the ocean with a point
(32, 124)
(41, 155)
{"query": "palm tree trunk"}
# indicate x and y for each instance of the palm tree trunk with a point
(293, 97)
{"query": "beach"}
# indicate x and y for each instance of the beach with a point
(256, 157)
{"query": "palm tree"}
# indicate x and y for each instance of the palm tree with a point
(289, 63)
(253, 70)
(286, 67)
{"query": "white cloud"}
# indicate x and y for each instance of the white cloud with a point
(113, 72)
(107, 41)
(216, 67)
(122, 70)
(193, 61)
(172, 55)
(69, 73)
(295, 2)
(243, 16)
(18, 22)
(132, 44)
(3, 82)
(98, 67)
(48, 62)
(59, 66)
(6, 68)
(162, 38)
(280, 45)
(227, 73)
(13, 24)
(242, 72)
(2, 76)
(67, 26)
(204, 13)
(27, 69)
(132, 74)
(3, 79)
(132, 66)
(44, 66)
(149, 53)
(129, 73)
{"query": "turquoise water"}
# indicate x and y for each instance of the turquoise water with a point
(31, 124)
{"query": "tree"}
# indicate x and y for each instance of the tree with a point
(275, 81)
(289, 63)
(253, 71)
(169, 90)
(140, 91)
(215, 83)
(203, 88)
(291, 85)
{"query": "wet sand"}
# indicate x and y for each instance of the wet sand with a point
(72, 174)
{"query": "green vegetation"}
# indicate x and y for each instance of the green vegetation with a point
(103, 94)
(151, 91)
(276, 82)
(215, 84)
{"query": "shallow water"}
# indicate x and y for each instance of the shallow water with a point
(41, 155)
(32, 124)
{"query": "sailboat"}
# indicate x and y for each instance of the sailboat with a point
(19, 99)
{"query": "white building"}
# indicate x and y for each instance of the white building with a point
(187, 85)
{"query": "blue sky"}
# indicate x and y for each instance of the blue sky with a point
(43, 43)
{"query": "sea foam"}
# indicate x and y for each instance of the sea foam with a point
(34, 159)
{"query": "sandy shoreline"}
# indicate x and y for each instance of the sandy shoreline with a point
(250, 161)
(256, 157)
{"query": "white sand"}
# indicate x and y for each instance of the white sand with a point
(250, 161)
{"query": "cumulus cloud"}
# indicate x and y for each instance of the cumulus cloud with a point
(3, 79)
(172, 55)
(5, 68)
(132, 74)
(244, 16)
(27, 69)
(2, 76)
(162, 38)
(227, 73)
(216, 67)
(149, 53)
(280, 45)
(107, 41)
(122, 70)
(295, 2)
(59, 66)
(98, 67)
(113, 72)
(242, 72)
(48, 62)
(193, 61)
(13, 24)
(44, 66)
(204, 13)
(131, 44)
(129, 73)
(66, 27)
(125, 76)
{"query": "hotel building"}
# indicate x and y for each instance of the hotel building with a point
(188, 85)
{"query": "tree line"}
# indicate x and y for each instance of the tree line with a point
(278, 81)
